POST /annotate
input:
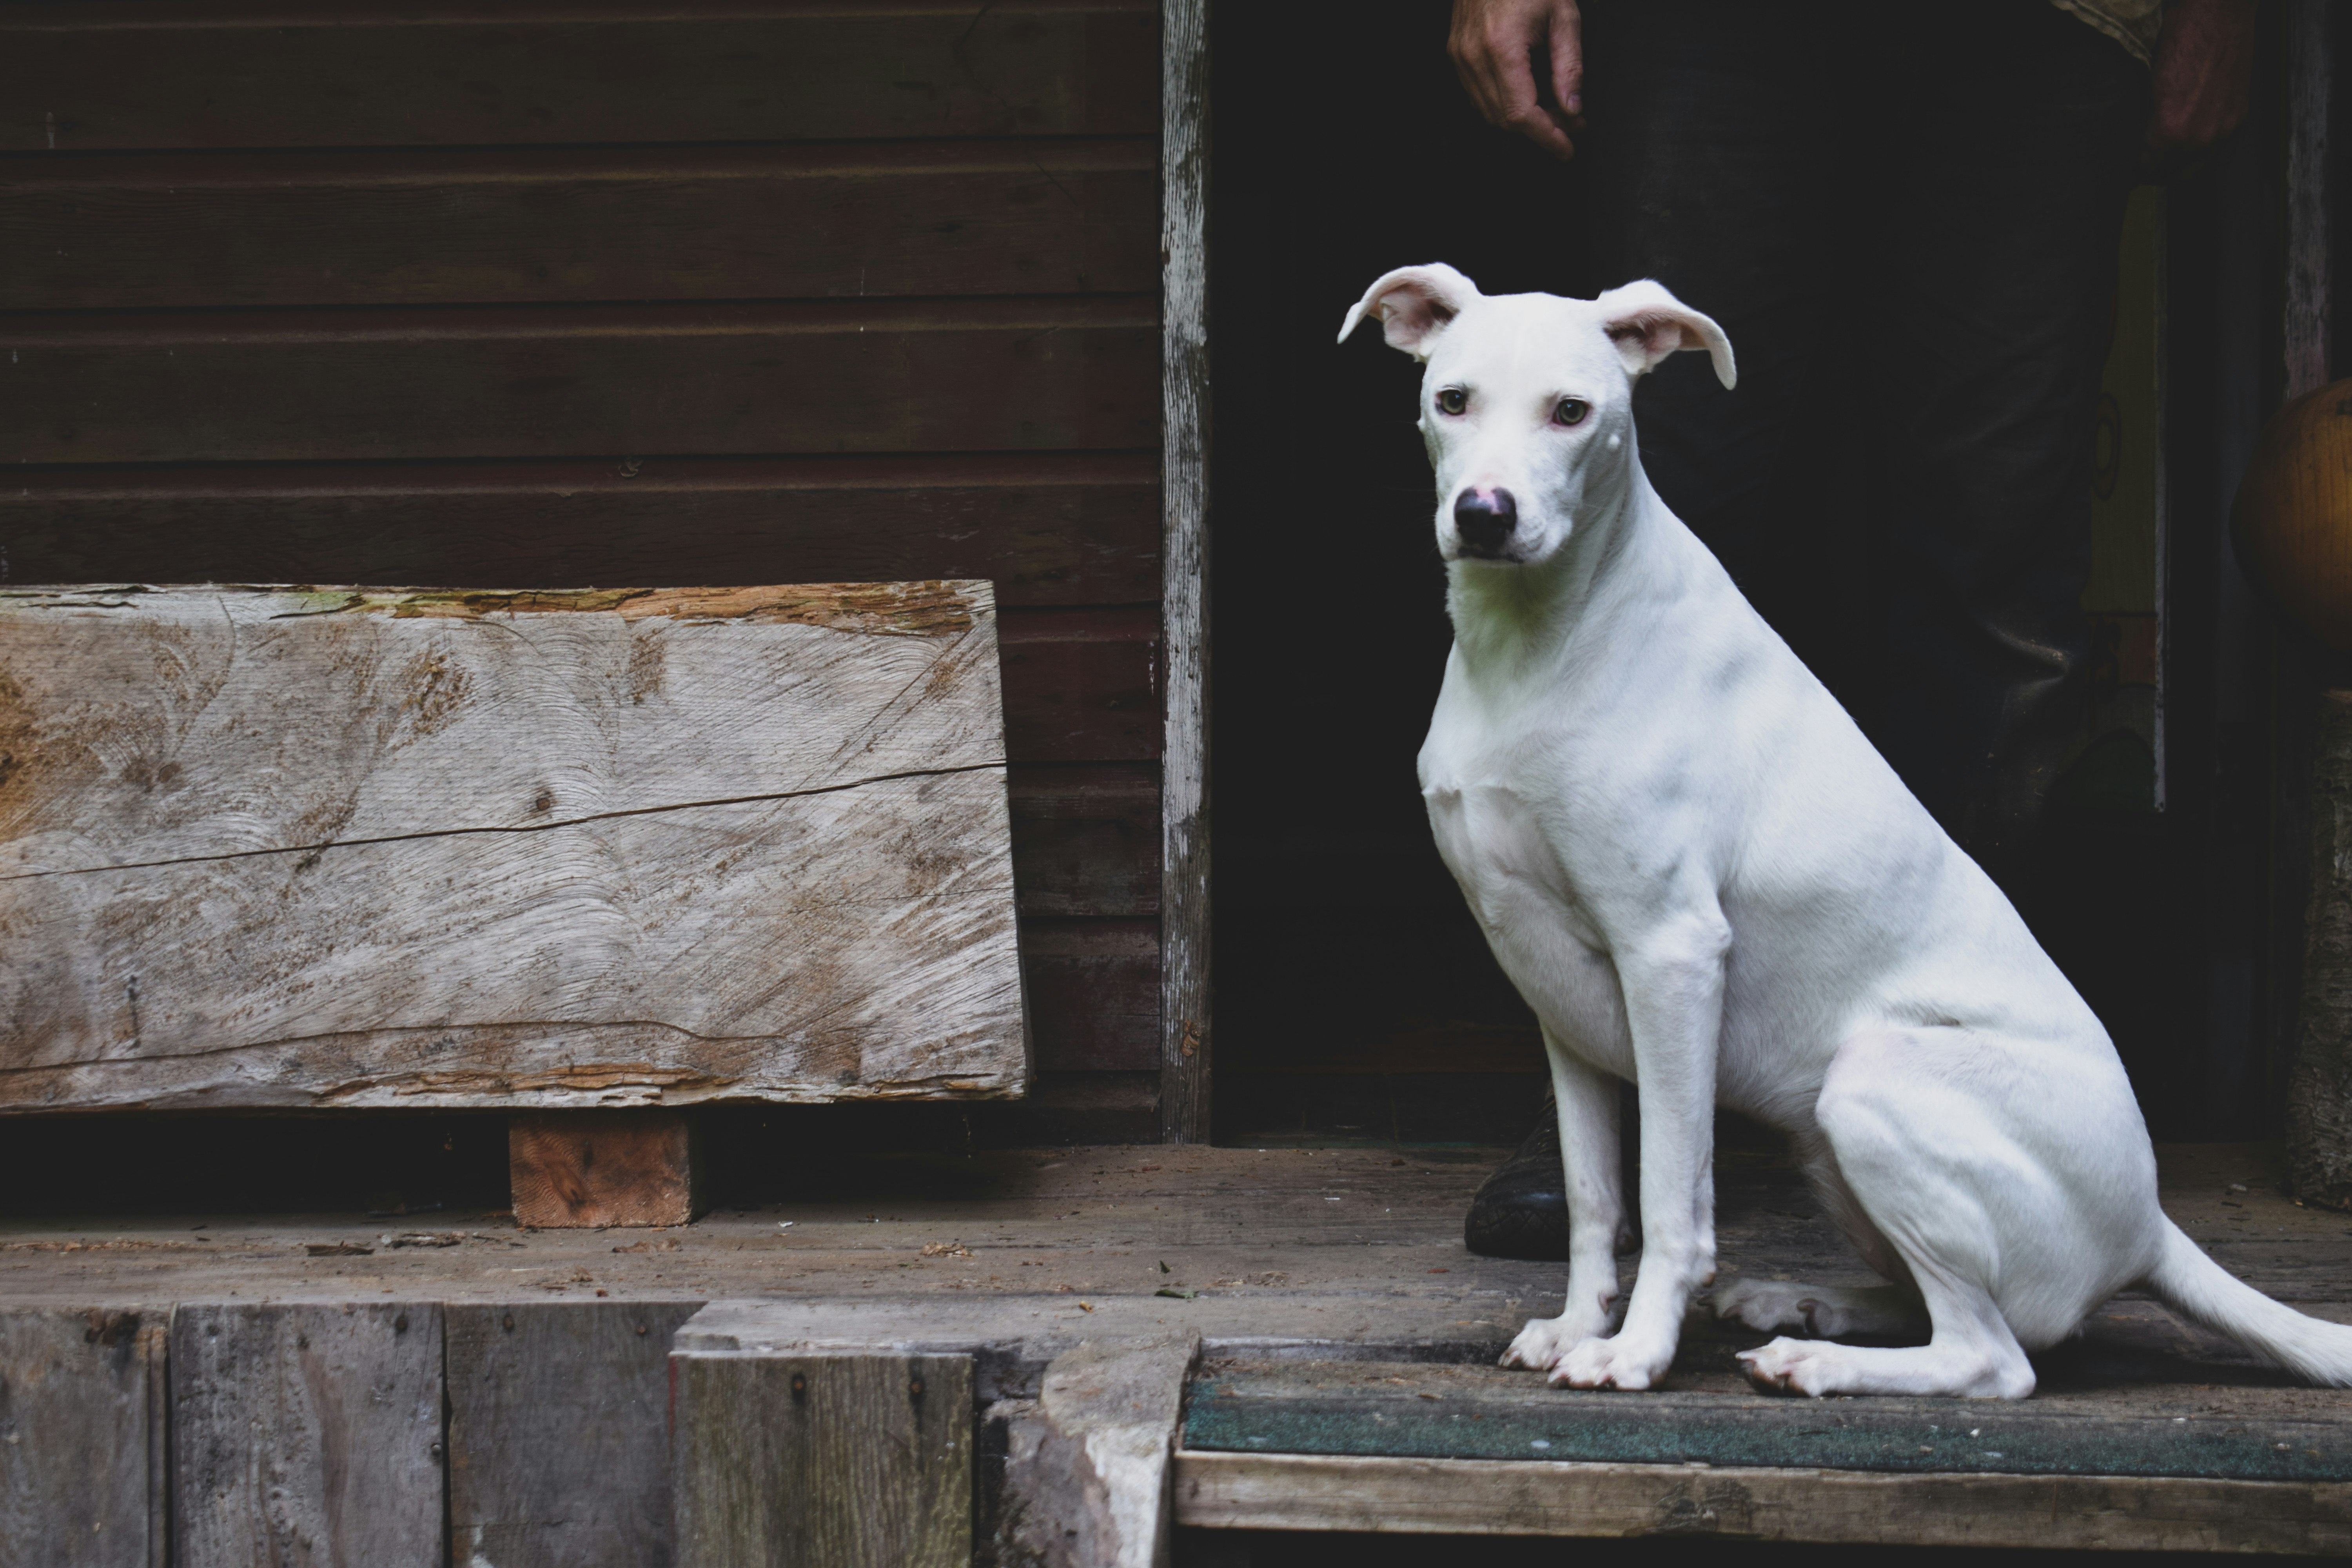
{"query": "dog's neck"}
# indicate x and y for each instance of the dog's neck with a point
(1507, 620)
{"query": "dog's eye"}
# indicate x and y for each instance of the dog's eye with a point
(1571, 411)
(1452, 400)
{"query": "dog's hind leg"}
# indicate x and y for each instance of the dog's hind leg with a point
(1987, 1166)
(1596, 1211)
(1832, 1311)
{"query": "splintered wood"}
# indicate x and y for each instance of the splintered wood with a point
(537, 850)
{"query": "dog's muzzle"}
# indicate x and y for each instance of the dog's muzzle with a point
(1485, 521)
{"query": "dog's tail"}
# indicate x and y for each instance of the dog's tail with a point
(2207, 1294)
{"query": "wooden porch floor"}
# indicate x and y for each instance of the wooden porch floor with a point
(1343, 1324)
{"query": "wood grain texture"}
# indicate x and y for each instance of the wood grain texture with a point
(558, 1432)
(598, 1168)
(306, 1435)
(1185, 1005)
(1047, 528)
(83, 1468)
(1491, 1497)
(521, 850)
(614, 382)
(1086, 1474)
(123, 74)
(529, 227)
(844, 1460)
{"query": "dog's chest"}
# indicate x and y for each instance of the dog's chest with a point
(1491, 833)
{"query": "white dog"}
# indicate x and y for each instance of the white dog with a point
(1704, 880)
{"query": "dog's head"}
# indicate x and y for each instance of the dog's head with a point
(1528, 403)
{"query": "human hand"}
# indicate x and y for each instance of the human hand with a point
(1494, 44)
(2204, 63)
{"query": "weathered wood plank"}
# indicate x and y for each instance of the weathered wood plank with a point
(127, 74)
(529, 227)
(82, 1438)
(625, 847)
(1185, 993)
(1492, 1496)
(1048, 529)
(1087, 1472)
(841, 1460)
(558, 1432)
(614, 382)
(596, 1168)
(306, 1435)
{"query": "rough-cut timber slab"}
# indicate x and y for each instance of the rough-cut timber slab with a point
(335, 846)
(306, 1435)
(558, 1432)
(1086, 1481)
(1475, 1497)
(82, 1438)
(596, 1168)
(823, 1461)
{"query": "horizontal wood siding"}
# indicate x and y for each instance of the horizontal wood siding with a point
(539, 296)
(214, 73)
(531, 227)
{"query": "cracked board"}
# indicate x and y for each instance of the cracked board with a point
(339, 846)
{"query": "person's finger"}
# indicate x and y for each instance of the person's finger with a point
(1568, 58)
(1530, 119)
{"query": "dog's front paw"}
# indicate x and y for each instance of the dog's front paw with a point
(1541, 1343)
(1626, 1362)
(1794, 1366)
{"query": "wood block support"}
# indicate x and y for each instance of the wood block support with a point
(822, 1459)
(82, 1438)
(586, 1168)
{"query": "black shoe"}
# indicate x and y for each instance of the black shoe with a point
(1522, 1209)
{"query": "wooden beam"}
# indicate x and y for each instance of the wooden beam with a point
(586, 1169)
(535, 850)
(306, 1435)
(82, 1427)
(1520, 1497)
(813, 1459)
(559, 1434)
(1184, 1020)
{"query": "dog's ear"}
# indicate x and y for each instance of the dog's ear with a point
(1413, 304)
(1647, 323)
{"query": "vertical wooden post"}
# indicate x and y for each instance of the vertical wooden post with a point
(306, 1434)
(1185, 1038)
(559, 1435)
(822, 1459)
(587, 1168)
(2319, 1079)
(82, 1438)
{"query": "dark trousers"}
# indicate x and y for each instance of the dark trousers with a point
(1907, 220)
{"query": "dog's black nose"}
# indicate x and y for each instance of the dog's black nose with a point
(1484, 519)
